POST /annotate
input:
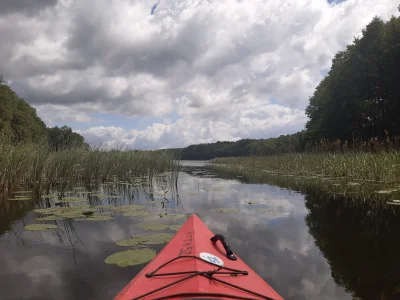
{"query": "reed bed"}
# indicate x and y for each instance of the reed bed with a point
(382, 166)
(35, 166)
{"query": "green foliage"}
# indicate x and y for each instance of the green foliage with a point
(367, 166)
(360, 98)
(64, 138)
(131, 257)
(18, 120)
(36, 166)
(246, 147)
(20, 123)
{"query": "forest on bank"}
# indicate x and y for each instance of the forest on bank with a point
(19, 123)
(355, 107)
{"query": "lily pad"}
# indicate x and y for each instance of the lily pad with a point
(72, 199)
(384, 192)
(353, 183)
(48, 218)
(173, 216)
(88, 213)
(153, 239)
(46, 211)
(128, 208)
(37, 227)
(131, 257)
(49, 196)
(136, 213)
(97, 218)
(152, 226)
(393, 203)
(226, 210)
(175, 227)
(69, 214)
(20, 199)
(99, 195)
(22, 192)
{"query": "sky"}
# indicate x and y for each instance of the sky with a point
(170, 73)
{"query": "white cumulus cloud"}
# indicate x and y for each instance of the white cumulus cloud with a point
(227, 69)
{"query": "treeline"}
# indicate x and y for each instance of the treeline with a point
(359, 99)
(19, 123)
(356, 107)
(246, 147)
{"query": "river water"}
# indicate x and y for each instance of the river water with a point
(304, 246)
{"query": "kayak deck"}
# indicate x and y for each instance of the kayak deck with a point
(191, 266)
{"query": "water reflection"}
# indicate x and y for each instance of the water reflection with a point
(311, 247)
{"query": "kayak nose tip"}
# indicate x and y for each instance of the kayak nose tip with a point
(231, 256)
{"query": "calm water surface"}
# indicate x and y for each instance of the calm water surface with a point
(304, 246)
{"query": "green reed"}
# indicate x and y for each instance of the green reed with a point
(37, 167)
(380, 166)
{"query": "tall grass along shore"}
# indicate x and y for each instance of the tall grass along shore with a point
(381, 166)
(37, 167)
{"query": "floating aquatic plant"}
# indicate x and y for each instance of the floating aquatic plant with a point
(152, 226)
(127, 208)
(131, 257)
(48, 218)
(72, 199)
(173, 216)
(46, 211)
(49, 196)
(96, 218)
(20, 199)
(175, 227)
(136, 213)
(226, 210)
(151, 239)
(384, 192)
(37, 227)
(87, 213)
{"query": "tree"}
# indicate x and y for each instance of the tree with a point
(18, 120)
(64, 138)
(359, 97)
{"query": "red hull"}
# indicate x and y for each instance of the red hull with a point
(191, 240)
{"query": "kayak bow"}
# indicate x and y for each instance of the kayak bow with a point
(193, 265)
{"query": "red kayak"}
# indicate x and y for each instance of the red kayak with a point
(196, 264)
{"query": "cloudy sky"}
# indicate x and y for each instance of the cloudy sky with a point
(169, 73)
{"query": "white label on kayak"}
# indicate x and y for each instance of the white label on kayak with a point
(211, 258)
